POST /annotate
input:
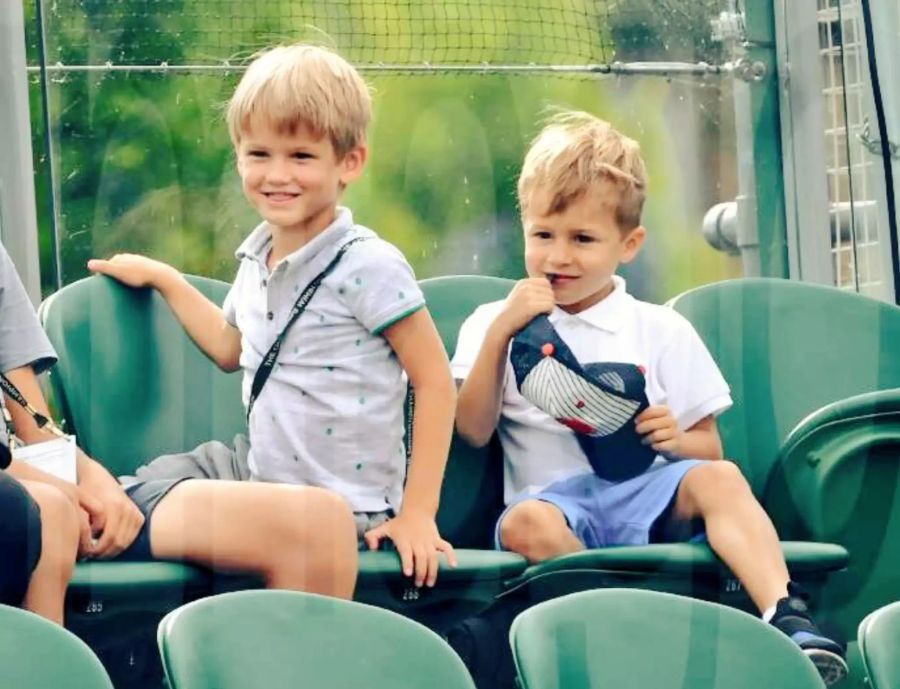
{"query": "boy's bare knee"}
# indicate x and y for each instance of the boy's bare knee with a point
(526, 523)
(714, 482)
(59, 516)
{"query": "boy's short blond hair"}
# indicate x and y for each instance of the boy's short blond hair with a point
(303, 85)
(574, 153)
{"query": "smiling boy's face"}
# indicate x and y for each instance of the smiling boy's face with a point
(294, 179)
(579, 248)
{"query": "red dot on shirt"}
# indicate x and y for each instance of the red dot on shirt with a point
(548, 349)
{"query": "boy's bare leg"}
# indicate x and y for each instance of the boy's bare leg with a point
(538, 530)
(295, 537)
(738, 529)
(59, 546)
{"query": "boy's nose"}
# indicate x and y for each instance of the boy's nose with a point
(559, 255)
(277, 170)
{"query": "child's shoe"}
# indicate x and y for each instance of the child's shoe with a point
(792, 617)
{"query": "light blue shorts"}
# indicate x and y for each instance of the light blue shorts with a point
(633, 512)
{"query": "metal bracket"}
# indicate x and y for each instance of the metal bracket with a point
(749, 70)
(874, 145)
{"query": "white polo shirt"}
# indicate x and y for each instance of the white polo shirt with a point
(680, 372)
(331, 412)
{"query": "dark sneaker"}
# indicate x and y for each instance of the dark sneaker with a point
(792, 618)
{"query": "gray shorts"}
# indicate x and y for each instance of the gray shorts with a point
(210, 461)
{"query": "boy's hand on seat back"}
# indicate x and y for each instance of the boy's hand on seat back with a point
(528, 298)
(416, 537)
(134, 270)
(660, 429)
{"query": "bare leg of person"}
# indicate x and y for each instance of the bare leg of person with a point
(295, 537)
(538, 530)
(738, 529)
(59, 548)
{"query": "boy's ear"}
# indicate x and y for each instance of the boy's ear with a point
(633, 242)
(353, 164)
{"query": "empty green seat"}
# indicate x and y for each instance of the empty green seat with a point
(633, 638)
(815, 373)
(879, 641)
(285, 639)
(132, 386)
(37, 654)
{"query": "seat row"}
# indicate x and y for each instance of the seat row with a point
(815, 428)
(600, 638)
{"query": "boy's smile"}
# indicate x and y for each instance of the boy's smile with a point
(294, 179)
(579, 248)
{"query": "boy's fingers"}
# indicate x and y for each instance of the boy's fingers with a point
(420, 564)
(433, 566)
(444, 547)
(372, 538)
(406, 558)
(85, 537)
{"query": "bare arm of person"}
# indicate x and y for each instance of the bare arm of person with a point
(202, 319)
(481, 394)
(661, 432)
(414, 532)
(111, 514)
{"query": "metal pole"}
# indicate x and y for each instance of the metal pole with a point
(18, 217)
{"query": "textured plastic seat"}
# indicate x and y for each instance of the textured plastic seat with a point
(879, 640)
(632, 638)
(36, 654)
(285, 639)
(815, 373)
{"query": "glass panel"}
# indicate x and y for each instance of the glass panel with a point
(860, 248)
(143, 162)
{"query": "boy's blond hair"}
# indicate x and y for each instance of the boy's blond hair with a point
(303, 85)
(574, 153)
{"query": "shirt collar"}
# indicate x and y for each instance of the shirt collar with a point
(256, 246)
(607, 314)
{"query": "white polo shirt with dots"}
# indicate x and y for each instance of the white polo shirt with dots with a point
(331, 412)
(680, 373)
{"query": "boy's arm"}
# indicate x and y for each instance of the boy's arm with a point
(113, 515)
(418, 346)
(481, 394)
(202, 319)
(660, 430)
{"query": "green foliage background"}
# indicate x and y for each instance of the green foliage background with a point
(144, 162)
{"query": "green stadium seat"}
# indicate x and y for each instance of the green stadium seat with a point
(879, 639)
(285, 639)
(36, 653)
(132, 386)
(815, 373)
(634, 638)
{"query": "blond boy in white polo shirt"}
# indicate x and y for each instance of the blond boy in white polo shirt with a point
(326, 457)
(581, 192)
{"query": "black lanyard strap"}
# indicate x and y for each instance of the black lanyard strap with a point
(39, 419)
(268, 361)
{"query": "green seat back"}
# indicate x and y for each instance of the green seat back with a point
(285, 639)
(879, 641)
(129, 381)
(633, 638)
(788, 348)
(36, 654)
(472, 495)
